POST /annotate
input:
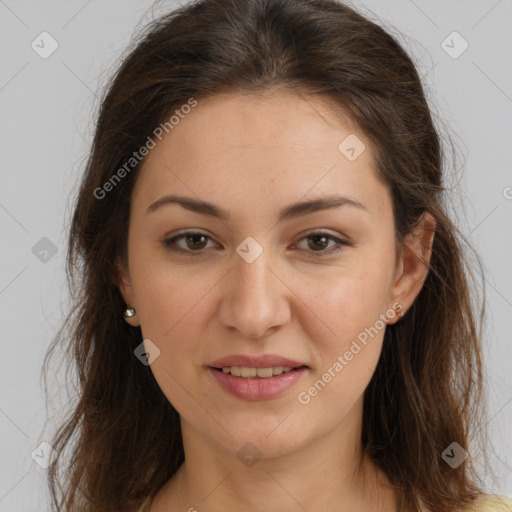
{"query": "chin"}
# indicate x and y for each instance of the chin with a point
(266, 441)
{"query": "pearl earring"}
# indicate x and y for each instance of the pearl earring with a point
(129, 312)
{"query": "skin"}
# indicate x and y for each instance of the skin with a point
(252, 155)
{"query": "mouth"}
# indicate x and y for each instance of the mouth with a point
(246, 372)
(257, 383)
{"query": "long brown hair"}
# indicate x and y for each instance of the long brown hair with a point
(426, 393)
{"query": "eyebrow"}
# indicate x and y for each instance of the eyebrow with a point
(288, 212)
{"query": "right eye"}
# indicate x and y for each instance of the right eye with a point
(193, 240)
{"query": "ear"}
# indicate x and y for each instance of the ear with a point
(413, 268)
(124, 284)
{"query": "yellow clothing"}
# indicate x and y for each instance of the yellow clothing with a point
(486, 503)
(492, 503)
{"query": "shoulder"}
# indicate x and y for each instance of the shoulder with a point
(491, 503)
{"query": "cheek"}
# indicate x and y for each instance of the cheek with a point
(349, 301)
(350, 316)
(348, 328)
(167, 295)
(172, 305)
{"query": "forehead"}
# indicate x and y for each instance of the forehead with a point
(277, 146)
(248, 121)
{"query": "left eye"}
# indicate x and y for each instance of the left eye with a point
(322, 239)
(195, 240)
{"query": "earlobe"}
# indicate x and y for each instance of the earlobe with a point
(415, 261)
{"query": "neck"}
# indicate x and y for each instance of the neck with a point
(328, 473)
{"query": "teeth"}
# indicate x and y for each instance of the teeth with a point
(262, 373)
(247, 372)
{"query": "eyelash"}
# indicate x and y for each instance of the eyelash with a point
(169, 243)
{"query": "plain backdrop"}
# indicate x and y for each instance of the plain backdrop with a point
(462, 49)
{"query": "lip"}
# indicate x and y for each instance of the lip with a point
(256, 388)
(263, 361)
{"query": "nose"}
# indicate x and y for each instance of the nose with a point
(255, 298)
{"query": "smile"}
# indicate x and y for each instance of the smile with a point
(262, 373)
(257, 383)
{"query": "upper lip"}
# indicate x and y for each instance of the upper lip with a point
(263, 361)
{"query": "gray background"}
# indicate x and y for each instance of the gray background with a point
(47, 112)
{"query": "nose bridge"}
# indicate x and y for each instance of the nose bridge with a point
(254, 301)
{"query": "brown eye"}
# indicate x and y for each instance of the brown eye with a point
(319, 242)
(194, 242)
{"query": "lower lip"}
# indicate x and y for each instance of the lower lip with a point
(257, 389)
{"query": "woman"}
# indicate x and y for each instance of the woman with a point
(272, 310)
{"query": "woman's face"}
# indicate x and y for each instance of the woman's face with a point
(257, 282)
